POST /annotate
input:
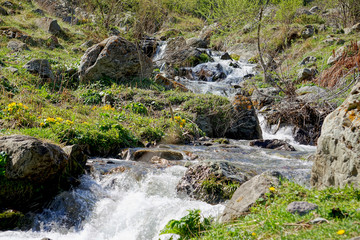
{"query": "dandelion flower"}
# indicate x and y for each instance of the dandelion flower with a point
(272, 189)
(254, 234)
(42, 124)
(341, 232)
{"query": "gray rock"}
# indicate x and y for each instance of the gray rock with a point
(17, 46)
(197, 43)
(307, 60)
(210, 181)
(310, 93)
(318, 220)
(314, 9)
(338, 54)
(77, 159)
(147, 155)
(39, 12)
(3, 12)
(31, 158)
(58, 8)
(337, 159)
(306, 74)
(301, 208)
(225, 56)
(49, 25)
(115, 58)
(12, 70)
(353, 29)
(264, 96)
(41, 67)
(245, 123)
(87, 44)
(308, 32)
(273, 144)
(248, 193)
(71, 20)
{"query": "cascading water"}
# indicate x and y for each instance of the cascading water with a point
(136, 203)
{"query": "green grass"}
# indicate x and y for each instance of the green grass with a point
(270, 220)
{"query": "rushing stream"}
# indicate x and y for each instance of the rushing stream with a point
(136, 203)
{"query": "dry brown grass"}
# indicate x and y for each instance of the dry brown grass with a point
(347, 64)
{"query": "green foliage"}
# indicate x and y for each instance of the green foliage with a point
(338, 206)
(91, 97)
(309, 19)
(187, 227)
(3, 160)
(219, 187)
(287, 10)
(138, 108)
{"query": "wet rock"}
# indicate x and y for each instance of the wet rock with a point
(248, 194)
(307, 60)
(318, 221)
(41, 67)
(115, 58)
(226, 56)
(147, 155)
(337, 159)
(309, 31)
(301, 208)
(212, 182)
(197, 43)
(273, 144)
(3, 12)
(149, 46)
(77, 159)
(306, 74)
(169, 84)
(245, 124)
(49, 25)
(264, 96)
(10, 219)
(31, 158)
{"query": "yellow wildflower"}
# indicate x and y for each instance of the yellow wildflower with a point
(93, 108)
(59, 119)
(340, 232)
(254, 234)
(108, 107)
(42, 124)
(50, 120)
(272, 189)
(69, 122)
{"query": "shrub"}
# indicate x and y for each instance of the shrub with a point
(187, 227)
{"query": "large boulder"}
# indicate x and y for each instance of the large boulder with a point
(115, 58)
(337, 160)
(248, 194)
(32, 159)
(17, 46)
(212, 182)
(58, 8)
(244, 123)
(35, 171)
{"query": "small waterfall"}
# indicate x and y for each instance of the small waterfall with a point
(117, 206)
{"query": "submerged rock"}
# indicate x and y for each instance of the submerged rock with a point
(212, 182)
(115, 58)
(337, 160)
(248, 193)
(273, 144)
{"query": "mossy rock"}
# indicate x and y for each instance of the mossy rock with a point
(10, 219)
